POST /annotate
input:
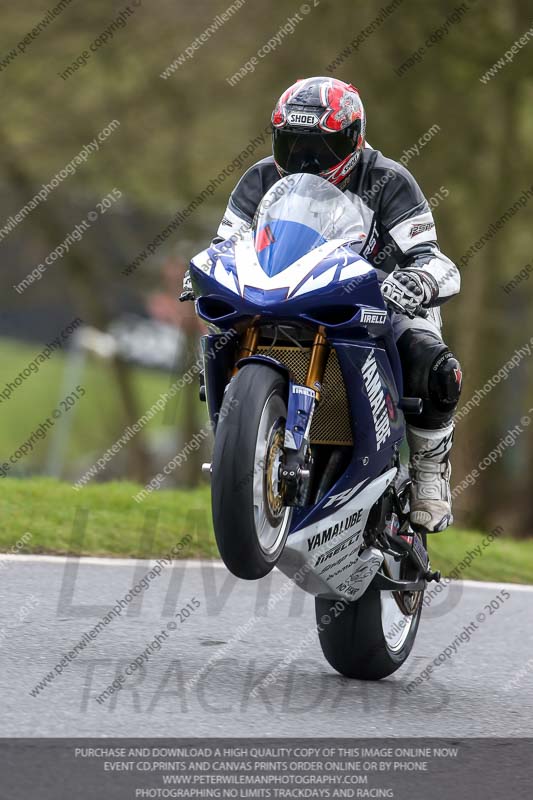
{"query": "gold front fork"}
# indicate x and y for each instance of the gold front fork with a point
(248, 344)
(317, 363)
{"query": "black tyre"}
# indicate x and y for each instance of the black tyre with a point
(250, 521)
(369, 638)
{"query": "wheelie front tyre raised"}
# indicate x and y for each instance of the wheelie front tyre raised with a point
(250, 521)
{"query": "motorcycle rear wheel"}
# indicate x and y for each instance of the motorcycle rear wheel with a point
(369, 638)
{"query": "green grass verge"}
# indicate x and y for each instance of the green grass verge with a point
(103, 519)
(502, 559)
(96, 419)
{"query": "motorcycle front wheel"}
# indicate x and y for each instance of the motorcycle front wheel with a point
(250, 521)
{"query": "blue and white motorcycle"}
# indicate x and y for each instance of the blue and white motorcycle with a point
(304, 389)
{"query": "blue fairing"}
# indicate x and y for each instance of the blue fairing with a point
(367, 460)
(265, 277)
(284, 302)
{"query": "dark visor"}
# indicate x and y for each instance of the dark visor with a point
(310, 152)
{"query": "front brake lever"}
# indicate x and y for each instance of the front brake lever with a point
(398, 307)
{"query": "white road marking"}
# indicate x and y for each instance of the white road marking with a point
(105, 561)
(197, 562)
(515, 587)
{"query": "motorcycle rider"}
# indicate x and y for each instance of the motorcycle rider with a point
(318, 126)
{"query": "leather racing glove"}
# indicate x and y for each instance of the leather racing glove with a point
(409, 290)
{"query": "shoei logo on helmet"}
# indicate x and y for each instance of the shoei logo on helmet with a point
(302, 118)
(337, 173)
(351, 162)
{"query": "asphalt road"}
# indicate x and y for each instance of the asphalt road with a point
(483, 689)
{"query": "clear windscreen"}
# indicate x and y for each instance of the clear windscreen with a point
(297, 215)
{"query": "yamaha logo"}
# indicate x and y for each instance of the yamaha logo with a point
(302, 118)
(376, 396)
